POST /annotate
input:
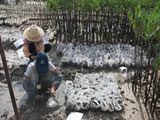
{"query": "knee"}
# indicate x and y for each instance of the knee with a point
(27, 84)
(28, 87)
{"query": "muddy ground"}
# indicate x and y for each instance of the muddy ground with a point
(39, 111)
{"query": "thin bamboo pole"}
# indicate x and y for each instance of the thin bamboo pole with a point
(8, 80)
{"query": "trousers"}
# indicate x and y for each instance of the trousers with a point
(31, 88)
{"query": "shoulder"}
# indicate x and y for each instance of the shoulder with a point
(31, 65)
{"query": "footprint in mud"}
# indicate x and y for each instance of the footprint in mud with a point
(36, 111)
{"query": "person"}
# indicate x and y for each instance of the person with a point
(33, 42)
(41, 76)
(34, 49)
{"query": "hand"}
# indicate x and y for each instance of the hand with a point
(52, 91)
(33, 57)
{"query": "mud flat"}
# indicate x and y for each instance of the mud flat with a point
(6, 110)
(131, 109)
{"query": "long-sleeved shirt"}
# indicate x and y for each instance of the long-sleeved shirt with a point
(53, 74)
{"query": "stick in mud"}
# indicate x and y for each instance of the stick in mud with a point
(8, 80)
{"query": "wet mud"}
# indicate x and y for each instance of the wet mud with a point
(39, 111)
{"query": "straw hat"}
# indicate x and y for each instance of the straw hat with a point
(33, 33)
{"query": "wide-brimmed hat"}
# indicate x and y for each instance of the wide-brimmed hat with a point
(33, 33)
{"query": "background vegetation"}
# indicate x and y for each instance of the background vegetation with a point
(143, 15)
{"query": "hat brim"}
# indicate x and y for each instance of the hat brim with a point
(28, 37)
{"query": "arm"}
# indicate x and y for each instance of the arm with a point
(27, 53)
(26, 50)
(29, 71)
(40, 46)
(58, 79)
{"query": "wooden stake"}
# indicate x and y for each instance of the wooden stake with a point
(8, 80)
